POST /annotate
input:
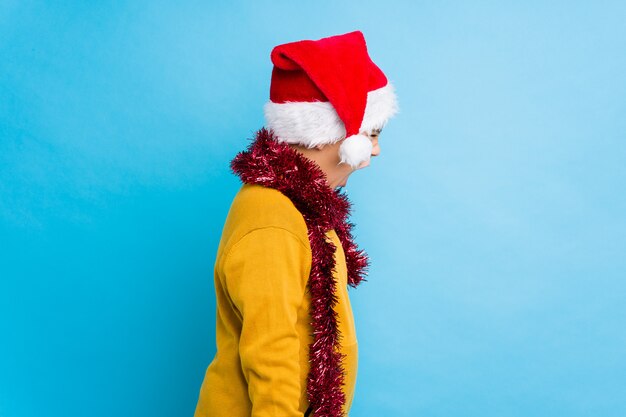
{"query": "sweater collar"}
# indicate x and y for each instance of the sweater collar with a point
(276, 165)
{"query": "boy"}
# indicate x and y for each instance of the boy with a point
(286, 340)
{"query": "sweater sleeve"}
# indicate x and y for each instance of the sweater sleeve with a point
(265, 274)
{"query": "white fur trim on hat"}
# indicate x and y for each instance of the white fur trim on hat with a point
(355, 150)
(382, 104)
(317, 122)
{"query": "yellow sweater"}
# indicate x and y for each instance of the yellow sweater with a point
(263, 327)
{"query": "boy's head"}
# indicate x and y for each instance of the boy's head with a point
(327, 96)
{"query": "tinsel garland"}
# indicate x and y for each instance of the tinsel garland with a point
(273, 164)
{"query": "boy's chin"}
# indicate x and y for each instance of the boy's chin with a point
(342, 184)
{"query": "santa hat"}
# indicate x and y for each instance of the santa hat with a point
(328, 89)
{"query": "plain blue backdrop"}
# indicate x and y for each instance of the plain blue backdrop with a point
(495, 216)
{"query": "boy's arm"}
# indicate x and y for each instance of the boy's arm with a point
(266, 274)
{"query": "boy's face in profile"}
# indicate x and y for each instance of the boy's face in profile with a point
(327, 156)
(346, 169)
(375, 147)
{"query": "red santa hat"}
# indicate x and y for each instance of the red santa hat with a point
(328, 89)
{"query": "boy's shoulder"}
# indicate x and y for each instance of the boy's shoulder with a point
(255, 207)
(259, 206)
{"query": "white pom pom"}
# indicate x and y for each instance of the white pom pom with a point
(355, 150)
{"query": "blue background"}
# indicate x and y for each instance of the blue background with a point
(495, 216)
